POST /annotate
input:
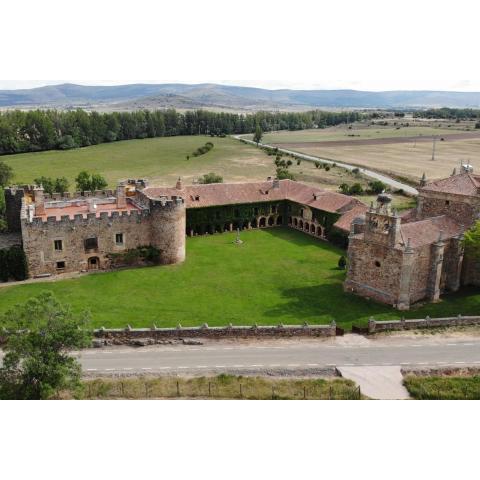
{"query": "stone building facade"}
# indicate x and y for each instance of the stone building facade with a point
(402, 259)
(84, 230)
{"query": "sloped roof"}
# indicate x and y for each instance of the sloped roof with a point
(216, 194)
(462, 184)
(344, 222)
(425, 232)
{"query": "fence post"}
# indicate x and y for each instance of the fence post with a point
(123, 391)
(146, 389)
(330, 393)
(209, 389)
(178, 389)
(273, 392)
(241, 394)
(304, 392)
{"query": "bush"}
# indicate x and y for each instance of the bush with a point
(210, 178)
(284, 174)
(66, 143)
(344, 188)
(327, 168)
(16, 264)
(356, 189)
(202, 150)
(342, 263)
(376, 186)
(356, 171)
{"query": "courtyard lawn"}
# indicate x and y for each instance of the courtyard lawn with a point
(276, 276)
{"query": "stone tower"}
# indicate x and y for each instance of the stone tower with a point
(168, 224)
(382, 224)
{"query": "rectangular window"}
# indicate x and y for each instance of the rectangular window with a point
(119, 238)
(58, 245)
(91, 243)
(60, 265)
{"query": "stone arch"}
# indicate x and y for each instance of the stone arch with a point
(319, 231)
(271, 221)
(307, 227)
(289, 220)
(226, 227)
(295, 222)
(300, 224)
(262, 222)
(93, 263)
(279, 220)
(312, 228)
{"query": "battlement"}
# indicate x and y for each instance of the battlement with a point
(88, 218)
(167, 201)
(78, 194)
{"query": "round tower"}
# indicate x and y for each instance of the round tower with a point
(168, 223)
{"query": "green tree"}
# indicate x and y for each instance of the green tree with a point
(61, 185)
(17, 263)
(97, 182)
(344, 188)
(356, 189)
(472, 240)
(342, 263)
(210, 178)
(39, 336)
(257, 136)
(47, 183)
(6, 174)
(83, 181)
(376, 186)
(283, 174)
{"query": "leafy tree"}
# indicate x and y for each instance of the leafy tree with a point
(356, 171)
(472, 240)
(344, 188)
(66, 142)
(317, 164)
(47, 183)
(83, 181)
(376, 186)
(210, 178)
(61, 185)
(342, 263)
(97, 182)
(283, 173)
(6, 174)
(17, 263)
(257, 136)
(39, 335)
(356, 189)
(90, 182)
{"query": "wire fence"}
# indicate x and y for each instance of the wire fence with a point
(243, 388)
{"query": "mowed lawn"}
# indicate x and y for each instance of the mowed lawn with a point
(161, 160)
(276, 276)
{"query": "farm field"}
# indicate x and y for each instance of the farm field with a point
(359, 131)
(276, 276)
(161, 160)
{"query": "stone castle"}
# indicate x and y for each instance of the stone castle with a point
(393, 258)
(400, 259)
(84, 231)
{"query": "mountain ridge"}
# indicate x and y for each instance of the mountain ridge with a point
(211, 95)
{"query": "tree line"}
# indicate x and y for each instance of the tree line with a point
(449, 113)
(37, 130)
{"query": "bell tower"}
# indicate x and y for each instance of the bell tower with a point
(382, 224)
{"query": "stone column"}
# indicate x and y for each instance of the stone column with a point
(408, 259)
(433, 287)
(453, 279)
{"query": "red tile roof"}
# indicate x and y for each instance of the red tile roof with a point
(428, 231)
(462, 184)
(217, 194)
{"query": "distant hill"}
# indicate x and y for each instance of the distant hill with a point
(213, 96)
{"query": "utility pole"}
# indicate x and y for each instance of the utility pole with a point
(433, 149)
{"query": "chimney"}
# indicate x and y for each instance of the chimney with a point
(39, 200)
(92, 207)
(179, 185)
(276, 183)
(121, 196)
(423, 181)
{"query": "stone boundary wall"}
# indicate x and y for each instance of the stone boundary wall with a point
(375, 326)
(125, 336)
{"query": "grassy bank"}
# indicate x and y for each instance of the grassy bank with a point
(276, 276)
(443, 388)
(220, 387)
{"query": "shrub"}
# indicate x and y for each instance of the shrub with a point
(327, 167)
(342, 263)
(344, 188)
(17, 263)
(356, 189)
(376, 186)
(210, 178)
(283, 173)
(356, 171)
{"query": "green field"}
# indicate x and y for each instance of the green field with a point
(161, 160)
(275, 276)
(443, 387)
(361, 132)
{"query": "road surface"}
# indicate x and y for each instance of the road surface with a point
(292, 355)
(369, 173)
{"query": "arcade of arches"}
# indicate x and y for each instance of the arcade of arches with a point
(210, 220)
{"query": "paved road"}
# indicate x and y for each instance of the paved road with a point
(351, 350)
(369, 173)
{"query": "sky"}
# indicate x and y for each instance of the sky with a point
(311, 44)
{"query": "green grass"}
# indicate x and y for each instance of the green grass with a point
(221, 386)
(276, 276)
(443, 388)
(158, 159)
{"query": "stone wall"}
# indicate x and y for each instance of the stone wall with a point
(13, 208)
(375, 326)
(460, 207)
(373, 270)
(39, 237)
(127, 335)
